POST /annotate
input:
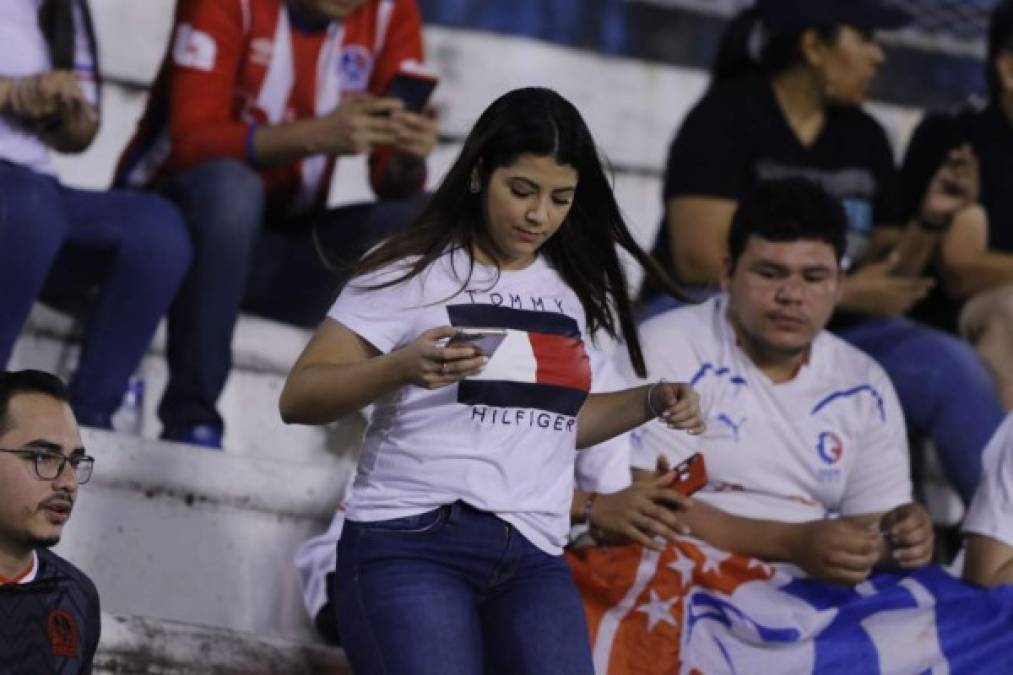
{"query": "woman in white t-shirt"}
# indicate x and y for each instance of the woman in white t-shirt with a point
(450, 557)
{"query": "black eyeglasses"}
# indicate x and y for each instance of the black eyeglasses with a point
(49, 465)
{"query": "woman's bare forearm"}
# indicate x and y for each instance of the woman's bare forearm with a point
(605, 416)
(320, 393)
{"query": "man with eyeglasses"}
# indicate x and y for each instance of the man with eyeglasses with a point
(49, 609)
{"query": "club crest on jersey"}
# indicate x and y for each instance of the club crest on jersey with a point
(62, 630)
(355, 66)
(194, 48)
(261, 51)
(829, 448)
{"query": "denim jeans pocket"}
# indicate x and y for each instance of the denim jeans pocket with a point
(420, 523)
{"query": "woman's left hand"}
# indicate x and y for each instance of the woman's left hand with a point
(677, 405)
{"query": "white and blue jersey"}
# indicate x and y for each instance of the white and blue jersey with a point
(831, 441)
(992, 507)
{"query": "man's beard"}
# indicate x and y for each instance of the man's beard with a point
(45, 542)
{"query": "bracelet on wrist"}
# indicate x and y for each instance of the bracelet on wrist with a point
(650, 403)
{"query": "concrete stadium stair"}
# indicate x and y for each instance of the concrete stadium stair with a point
(185, 534)
(139, 646)
(191, 549)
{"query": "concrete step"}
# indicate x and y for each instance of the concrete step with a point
(134, 645)
(183, 534)
(263, 352)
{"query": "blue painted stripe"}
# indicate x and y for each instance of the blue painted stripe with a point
(700, 374)
(854, 391)
(718, 371)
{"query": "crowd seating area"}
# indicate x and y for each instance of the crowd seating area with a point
(158, 515)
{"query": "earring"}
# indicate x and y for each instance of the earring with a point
(475, 185)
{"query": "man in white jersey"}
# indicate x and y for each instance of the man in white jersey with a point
(805, 446)
(988, 525)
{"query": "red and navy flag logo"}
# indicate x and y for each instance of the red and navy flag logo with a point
(829, 447)
(541, 364)
(62, 630)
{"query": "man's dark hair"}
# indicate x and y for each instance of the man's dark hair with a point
(27, 382)
(1000, 39)
(788, 210)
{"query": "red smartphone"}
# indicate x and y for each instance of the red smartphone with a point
(690, 475)
(412, 88)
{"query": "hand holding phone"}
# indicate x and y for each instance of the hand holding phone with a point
(413, 88)
(690, 475)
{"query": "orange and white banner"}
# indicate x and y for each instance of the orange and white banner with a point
(694, 609)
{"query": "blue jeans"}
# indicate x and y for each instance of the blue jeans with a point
(56, 240)
(456, 591)
(944, 389)
(243, 262)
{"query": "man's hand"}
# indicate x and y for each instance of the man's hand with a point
(40, 99)
(955, 185)
(907, 531)
(677, 405)
(415, 134)
(842, 551)
(358, 125)
(873, 289)
(640, 513)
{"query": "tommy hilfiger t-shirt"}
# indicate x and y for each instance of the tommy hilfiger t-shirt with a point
(503, 441)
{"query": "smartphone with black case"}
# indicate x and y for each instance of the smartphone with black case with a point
(414, 89)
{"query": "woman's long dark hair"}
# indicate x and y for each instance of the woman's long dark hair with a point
(538, 122)
(772, 54)
(57, 22)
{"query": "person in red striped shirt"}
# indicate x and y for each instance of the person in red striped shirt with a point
(255, 102)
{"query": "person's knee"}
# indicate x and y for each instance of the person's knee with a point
(231, 178)
(222, 201)
(31, 205)
(955, 360)
(160, 229)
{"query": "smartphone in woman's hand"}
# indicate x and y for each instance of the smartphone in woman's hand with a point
(484, 340)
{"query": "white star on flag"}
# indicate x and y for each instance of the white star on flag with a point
(683, 566)
(711, 564)
(755, 564)
(659, 611)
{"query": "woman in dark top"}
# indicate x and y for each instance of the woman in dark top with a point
(789, 81)
(975, 262)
